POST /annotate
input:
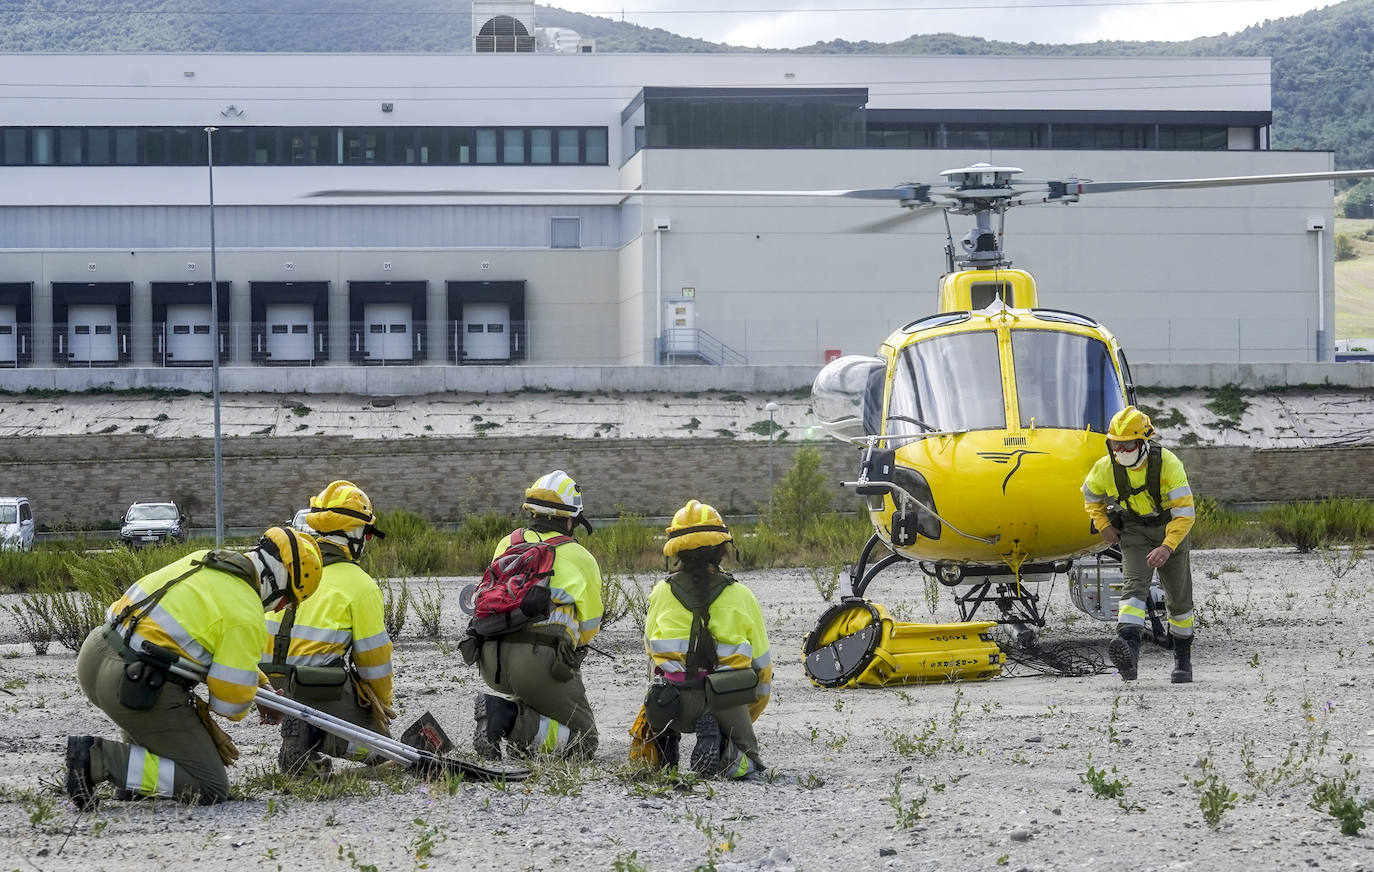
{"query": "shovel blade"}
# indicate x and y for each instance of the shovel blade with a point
(426, 735)
(435, 766)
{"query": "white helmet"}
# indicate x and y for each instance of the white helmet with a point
(554, 495)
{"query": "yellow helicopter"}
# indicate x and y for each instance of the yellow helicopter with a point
(979, 422)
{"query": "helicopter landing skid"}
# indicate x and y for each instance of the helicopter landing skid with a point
(1016, 604)
(861, 575)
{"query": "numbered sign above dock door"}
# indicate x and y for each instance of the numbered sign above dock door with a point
(92, 335)
(9, 336)
(387, 332)
(486, 331)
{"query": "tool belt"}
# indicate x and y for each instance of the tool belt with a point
(145, 672)
(308, 684)
(724, 689)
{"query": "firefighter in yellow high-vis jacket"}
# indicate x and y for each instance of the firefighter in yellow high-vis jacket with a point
(333, 652)
(712, 666)
(206, 607)
(1153, 514)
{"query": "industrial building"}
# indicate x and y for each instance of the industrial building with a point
(107, 166)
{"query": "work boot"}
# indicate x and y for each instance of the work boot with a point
(667, 743)
(1183, 661)
(1125, 651)
(80, 785)
(706, 752)
(495, 717)
(299, 754)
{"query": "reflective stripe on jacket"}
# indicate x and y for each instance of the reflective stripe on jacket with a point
(212, 617)
(1173, 491)
(346, 611)
(736, 625)
(574, 588)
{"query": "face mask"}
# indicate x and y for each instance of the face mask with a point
(1132, 456)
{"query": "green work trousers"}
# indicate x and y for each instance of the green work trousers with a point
(739, 753)
(1137, 541)
(546, 683)
(166, 750)
(343, 705)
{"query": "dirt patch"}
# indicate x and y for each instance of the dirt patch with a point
(1030, 772)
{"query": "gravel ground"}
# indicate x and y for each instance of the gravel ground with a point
(1007, 773)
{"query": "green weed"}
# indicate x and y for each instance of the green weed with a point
(1214, 797)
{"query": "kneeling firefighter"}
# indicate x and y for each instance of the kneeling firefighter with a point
(712, 667)
(530, 653)
(332, 652)
(206, 607)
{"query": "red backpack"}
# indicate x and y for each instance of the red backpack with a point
(514, 590)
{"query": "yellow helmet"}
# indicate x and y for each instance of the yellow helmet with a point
(294, 559)
(696, 525)
(554, 495)
(340, 507)
(1128, 424)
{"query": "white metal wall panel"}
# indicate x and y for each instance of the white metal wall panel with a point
(167, 227)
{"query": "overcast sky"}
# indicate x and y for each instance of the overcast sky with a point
(794, 23)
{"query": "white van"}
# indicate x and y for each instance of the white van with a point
(16, 524)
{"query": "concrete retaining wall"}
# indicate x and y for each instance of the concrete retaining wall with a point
(415, 380)
(89, 480)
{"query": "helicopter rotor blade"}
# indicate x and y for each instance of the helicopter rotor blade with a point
(911, 192)
(1073, 186)
(894, 222)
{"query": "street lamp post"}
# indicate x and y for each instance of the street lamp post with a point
(215, 340)
(770, 409)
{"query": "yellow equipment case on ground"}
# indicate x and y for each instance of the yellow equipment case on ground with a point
(857, 644)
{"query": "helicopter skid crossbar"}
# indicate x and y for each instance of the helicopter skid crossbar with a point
(1015, 602)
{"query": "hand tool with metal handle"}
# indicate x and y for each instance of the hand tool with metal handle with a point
(422, 761)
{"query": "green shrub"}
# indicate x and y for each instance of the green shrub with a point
(804, 494)
(401, 525)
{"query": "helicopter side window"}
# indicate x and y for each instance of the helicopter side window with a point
(948, 384)
(1065, 380)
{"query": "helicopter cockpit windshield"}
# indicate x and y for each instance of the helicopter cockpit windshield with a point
(948, 384)
(1064, 380)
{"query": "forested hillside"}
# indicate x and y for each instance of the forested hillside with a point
(1323, 60)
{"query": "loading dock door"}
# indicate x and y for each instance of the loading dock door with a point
(486, 331)
(188, 334)
(9, 336)
(290, 332)
(387, 332)
(91, 334)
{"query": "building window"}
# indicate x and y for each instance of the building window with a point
(513, 146)
(486, 146)
(126, 146)
(43, 146)
(69, 146)
(541, 146)
(569, 150)
(366, 146)
(565, 232)
(596, 146)
(16, 147)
